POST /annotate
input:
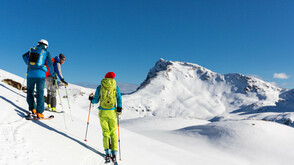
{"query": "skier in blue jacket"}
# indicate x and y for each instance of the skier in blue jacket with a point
(50, 82)
(36, 75)
(58, 60)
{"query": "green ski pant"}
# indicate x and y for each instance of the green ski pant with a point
(108, 122)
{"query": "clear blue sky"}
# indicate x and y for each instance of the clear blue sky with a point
(251, 37)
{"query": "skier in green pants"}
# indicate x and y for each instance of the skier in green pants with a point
(110, 106)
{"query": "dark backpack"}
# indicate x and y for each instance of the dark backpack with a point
(37, 57)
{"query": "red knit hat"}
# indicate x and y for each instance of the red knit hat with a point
(110, 75)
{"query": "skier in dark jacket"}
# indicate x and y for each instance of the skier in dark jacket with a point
(50, 82)
(36, 59)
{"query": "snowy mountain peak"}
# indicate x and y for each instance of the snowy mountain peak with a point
(164, 68)
(241, 83)
(191, 90)
(161, 65)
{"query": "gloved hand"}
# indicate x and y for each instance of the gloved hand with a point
(119, 110)
(64, 82)
(91, 97)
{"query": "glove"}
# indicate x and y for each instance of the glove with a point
(91, 97)
(64, 82)
(119, 110)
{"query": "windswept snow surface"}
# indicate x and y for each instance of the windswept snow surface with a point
(167, 121)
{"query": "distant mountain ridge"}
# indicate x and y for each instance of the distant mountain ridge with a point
(194, 91)
(249, 83)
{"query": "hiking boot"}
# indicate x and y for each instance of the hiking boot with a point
(40, 115)
(54, 109)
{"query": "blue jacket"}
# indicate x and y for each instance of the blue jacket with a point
(97, 98)
(57, 67)
(41, 72)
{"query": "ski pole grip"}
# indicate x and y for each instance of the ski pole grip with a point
(91, 97)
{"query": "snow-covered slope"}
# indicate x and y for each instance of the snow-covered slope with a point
(180, 89)
(150, 140)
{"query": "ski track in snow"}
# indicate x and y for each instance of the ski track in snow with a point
(14, 147)
(90, 160)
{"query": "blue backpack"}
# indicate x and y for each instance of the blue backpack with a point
(37, 58)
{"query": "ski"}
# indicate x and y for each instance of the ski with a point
(30, 115)
(35, 118)
(54, 111)
(111, 163)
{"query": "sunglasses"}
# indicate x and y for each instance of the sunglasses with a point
(42, 43)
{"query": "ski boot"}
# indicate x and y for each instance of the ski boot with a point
(32, 114)
(40, 115)
(54, 109)
(107, 156)
(113, 157)
(49, 107)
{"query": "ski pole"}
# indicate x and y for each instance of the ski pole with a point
(68, 102)
(88, 123)
(118, 136)
(21, 86)
(60, 103)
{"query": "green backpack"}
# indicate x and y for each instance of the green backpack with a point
(108, 93)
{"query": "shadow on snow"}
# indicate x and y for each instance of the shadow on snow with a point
(12, 90)
(22, 113)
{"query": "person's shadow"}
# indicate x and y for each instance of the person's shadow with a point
(11, 90)
(22, 113)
